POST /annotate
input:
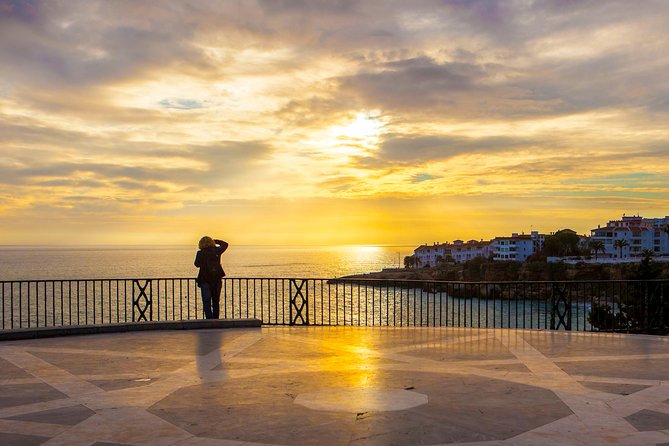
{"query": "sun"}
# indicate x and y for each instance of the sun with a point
(359, 136)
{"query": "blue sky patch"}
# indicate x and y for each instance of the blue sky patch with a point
(181, 103)
(419, 178)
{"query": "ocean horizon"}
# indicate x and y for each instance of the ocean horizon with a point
(38, 262)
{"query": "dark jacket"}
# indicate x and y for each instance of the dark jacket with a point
(200, 262)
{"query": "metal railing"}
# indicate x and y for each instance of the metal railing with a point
(630, 306)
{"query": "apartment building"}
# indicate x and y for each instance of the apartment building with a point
(429, 255)
(463, 251)
(637, 233)
(517, 247)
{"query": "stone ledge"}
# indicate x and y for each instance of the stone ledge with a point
(72, 330)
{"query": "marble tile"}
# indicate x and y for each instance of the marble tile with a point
(106, 443)
(21, 440)
(648, 420)
(505, 367)
(119, 384)
(478, 349)
(555, 344)
(286, 349)
(98, 364)
(65, 415)
(616, 388)
(10, 371)
(19, 394)
(178, 342)
(656, 369)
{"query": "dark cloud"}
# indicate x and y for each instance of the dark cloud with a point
(432, 90)
(414, 83)
(82, 44)
(308, 7)
(22, 10)
(71, 183)
(418, 150)
(427, 90)
(339, 183)
(226, 162)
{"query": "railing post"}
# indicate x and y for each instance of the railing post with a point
(141, 302)
(560, 307)
(299, 304)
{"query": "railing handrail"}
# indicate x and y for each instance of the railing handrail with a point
(344, 279)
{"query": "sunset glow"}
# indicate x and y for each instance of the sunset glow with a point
(328, 122)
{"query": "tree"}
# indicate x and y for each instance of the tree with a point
(409, 261)
(562, 243)
(596, 246)
(641, 308)
(647, 253)
(620, 244)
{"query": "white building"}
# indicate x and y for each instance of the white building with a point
(518, 247)
(459, 251)
(463, 251)
(429, 255)
(639, 234)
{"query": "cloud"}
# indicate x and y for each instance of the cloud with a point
(23, 10)
(114, 106)
(84, 44)
(219, 164)
(418, 150)
(414, 83)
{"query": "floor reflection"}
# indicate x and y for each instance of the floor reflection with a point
(208, 352)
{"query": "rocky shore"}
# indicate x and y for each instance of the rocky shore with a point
(490, 271)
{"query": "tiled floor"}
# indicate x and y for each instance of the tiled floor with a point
(336, 386)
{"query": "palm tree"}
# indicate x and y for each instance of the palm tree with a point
(647, 253)
(620, 244)
(597, 246)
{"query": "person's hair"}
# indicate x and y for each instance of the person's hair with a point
(206, 242)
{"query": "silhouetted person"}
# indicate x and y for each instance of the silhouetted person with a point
(209, 278)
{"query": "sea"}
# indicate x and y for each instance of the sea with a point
(90, 299)
(118, 262)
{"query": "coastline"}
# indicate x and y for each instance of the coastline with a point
(479, 270)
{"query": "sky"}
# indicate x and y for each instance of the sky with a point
(329, 122)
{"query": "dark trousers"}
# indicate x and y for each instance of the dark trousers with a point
(211, 295)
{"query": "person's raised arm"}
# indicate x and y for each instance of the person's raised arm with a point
(222, 246)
